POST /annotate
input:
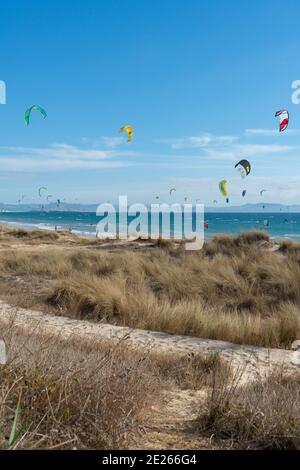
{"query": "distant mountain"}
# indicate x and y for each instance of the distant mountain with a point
(255, 208)
(69, 207)
(64, 207)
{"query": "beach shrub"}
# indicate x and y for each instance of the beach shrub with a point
(59, 395)
(263, 415)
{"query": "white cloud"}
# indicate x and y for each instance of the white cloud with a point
(106, 141)
(112, 142)
(234, 152)
(200, 141)
(60, 151)
(227, 147)
(261, 132)
(57, 157)
(269, 132)
(29, 164)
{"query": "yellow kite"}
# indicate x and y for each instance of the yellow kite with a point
(129, 131)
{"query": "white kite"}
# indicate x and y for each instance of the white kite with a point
(284, 117)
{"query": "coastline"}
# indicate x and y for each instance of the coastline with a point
(277, 225)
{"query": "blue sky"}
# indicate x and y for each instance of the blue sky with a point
(199, 82)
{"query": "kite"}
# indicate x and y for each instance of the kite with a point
(244, 167)
(244, 193)
(129, 131)
(35, 107)
(284, 117)
(262, 192)
(172, 190)
(42, 188)
(223, 188)
(227, 200)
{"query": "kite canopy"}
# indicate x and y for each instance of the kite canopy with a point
(244, 167)
(284, 118)
(35, 107)
(244, 193)
(262, 192)
(172, 190)
(129, 131)
(41, 189)
(223, 188)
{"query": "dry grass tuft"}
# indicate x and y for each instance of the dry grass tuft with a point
(190, 372)
(32, 235)
(71, 397)
(65, 393)
(262, 415)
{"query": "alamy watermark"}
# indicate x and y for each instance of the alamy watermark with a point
(183, 222)
(2, 92)
(296, 93)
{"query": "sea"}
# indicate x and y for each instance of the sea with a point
(278, 225)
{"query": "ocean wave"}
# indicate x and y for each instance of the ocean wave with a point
(45, 226)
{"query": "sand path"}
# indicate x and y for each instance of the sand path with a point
(257, 360)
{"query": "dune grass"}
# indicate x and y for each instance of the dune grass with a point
(66, 393)
(56, 395)
(234, 289)
(263, 415)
